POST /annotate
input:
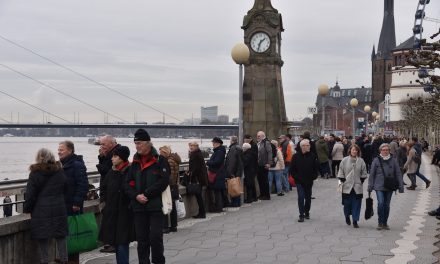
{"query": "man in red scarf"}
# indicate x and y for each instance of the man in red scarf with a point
(147, 178)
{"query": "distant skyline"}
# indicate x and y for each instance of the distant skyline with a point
(175, 55)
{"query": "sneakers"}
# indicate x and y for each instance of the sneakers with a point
(355, 224)
(428, 183)
(347, 220)
(411, 188)
(379, 227)
(301, 219)
(386, 227)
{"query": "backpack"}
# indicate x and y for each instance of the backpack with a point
(274, 153)
(417, 159)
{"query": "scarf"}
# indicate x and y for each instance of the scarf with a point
(385, 157)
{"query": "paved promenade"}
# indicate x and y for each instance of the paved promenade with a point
(268, 232)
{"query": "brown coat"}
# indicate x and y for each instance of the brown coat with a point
(197, 168)
(174, 160)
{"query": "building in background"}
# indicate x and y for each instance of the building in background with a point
(223, 119)
(209, 114)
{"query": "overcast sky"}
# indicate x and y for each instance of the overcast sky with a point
(174, 55)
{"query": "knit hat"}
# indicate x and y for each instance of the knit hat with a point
(141, 135)
(217, 140)
(246, 146)
(122, 152)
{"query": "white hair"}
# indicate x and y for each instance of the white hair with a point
(304, 141)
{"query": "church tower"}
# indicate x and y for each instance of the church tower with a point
(263, 96)
(381, 61)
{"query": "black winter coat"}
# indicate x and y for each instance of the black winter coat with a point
(45, 201)
(234, 163)
(117, 219)
(249, 164)
(105, 164)
(197, 168)
(304, 168)
(216, 164)
(77, 182)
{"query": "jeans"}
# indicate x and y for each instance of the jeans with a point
(235, 202)
(148, 226)
(277, 174)
(285, 179)
(383, 205)
(263, 183)
(304, 198)
(421, 176)
(352, 205)
(122, 254)
(43, 249)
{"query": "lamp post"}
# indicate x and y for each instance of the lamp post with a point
(367, 110)
(323, 91)
(240, 54)
(374, 114)
(354, 102)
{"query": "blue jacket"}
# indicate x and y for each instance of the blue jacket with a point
(77, 182)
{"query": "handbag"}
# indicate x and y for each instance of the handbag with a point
(180, 208)
(235, 188)
(83, 233)
(167, 201)
(369, 212)
(292, 181)
(212, 176)
(193, 188)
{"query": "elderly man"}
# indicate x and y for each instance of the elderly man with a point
(147, 178)
(264, 162)
(304, 169)
(234, 165)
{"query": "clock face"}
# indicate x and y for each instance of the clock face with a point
(260, 42)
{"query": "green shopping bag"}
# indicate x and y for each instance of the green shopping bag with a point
(83, 233)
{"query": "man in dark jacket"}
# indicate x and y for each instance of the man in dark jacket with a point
(234, 165)
(77, 182)
(147, 178)
(7, 209)
(304, 169)
(252, 160)
(264, 163)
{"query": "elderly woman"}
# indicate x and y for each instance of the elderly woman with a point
(197, 174)
(277, 171)
(45, 194)
(385, 178)
(352, 174)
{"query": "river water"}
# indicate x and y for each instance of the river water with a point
(17, 153)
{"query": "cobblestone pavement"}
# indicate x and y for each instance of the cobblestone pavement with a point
(268, 232)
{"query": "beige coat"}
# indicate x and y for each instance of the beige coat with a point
(280, 161)
(411, 165)
(338, 151)
(352, 173)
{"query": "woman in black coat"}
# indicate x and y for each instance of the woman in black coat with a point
(45, 202)
(216, 168)
(117, 228)
(250, 170)
(197, 174)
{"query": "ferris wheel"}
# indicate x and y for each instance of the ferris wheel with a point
(418, 23)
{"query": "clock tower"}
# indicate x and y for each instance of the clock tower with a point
(263, 97)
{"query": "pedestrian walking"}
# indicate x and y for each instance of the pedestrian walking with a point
(45, 195)
(385, 178)
(417, 158)
(322, 152)
(352, 174)
(7, 207)
(216, 176)
(116, 228)
(337, 156)
(264, 163)
(77, 183)
(197, 174)
(287, 150)
(147, 178)
(277, 171)
(234, 165)
(304, 169)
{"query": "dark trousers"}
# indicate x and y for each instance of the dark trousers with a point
(148, 226)
(251, 194)
(215, 200)
(172, 217)
(122, 254)
(201, 204)
(335, 163)
(324, 168)
(263, 182)
(304, 198)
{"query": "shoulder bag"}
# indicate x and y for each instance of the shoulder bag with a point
(193, 188)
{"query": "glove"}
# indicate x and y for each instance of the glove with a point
(342, 179)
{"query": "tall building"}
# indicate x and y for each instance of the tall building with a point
(209, 113)
(382, 61)
(223, 119)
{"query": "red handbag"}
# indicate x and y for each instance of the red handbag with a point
(292, 181)
(212, 176)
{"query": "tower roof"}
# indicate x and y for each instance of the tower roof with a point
(263, 5)
(387, 40)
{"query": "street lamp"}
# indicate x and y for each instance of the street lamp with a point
(240, 54)
(323, 91)
(354, 102)
(367, 110)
